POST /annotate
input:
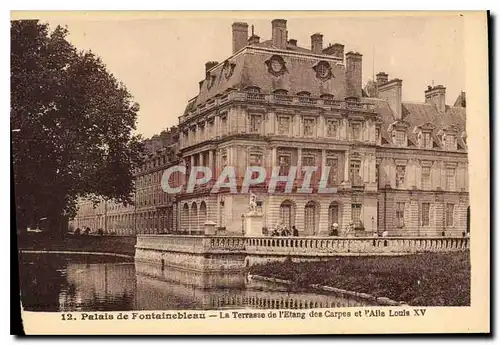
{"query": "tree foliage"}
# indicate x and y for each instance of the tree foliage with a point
(72, 125)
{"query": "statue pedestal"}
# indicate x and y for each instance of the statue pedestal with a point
(253, 224)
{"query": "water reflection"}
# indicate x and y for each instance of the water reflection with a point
(52, 282)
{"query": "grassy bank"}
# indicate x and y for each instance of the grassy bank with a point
(108, 244)
(434, 279)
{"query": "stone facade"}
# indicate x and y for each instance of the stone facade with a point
(153, 211)
(398, 167)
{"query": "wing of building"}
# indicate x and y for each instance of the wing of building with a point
(398, 167)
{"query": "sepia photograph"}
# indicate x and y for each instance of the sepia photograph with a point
(278, 168)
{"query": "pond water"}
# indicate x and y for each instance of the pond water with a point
(55, 282)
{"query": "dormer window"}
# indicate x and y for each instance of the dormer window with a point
(326, 96)
(280, 92)
(399, 137)
(450, 142)
(304, 94)
(252, 89)
(426, 140)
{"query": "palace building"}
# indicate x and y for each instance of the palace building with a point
(153, 210)
(398, 167)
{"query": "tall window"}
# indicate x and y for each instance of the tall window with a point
(450, 179)
(286, 214)
(449, 214)
(223, 159)
(354, 172)
(284, 125)
(377, 168)
(201, 133)
(426, 140)
(309, 161)
(333, 214)
(400, 214)
(356, 131)
(426, 178)
(400, 176)
(426, 207)
(331, 128)
(356, 215)
(308, 127)
(284, 164)
(377, 134)
(255, 123)
(223, 125)
(400, 138)
(310, 218)
(255, 159)
(333, 163)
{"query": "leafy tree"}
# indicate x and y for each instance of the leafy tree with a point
(72, 126)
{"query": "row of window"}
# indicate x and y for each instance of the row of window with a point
(154, 163)
(425, 214)
(425, 177)
(425, 141)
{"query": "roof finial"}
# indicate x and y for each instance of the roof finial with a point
(433, 82)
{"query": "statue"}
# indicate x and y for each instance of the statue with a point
(253, 202)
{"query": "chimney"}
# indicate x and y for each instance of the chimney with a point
(209, 65)
(292, 42)
(437, 96)
(279, 34)
(240, 36)
(336, 50)
(382, 78)
(317, 43)
(253, 40)
(392, 92)
(353, 74)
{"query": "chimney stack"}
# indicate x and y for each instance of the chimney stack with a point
(279, 33)
(209, 65)
(253, 40)
(336, 50)
(317, 43)
(392, 92)
(354, 72)
(240, 36)
(437, 96)
(382, 78)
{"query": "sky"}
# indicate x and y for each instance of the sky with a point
(161, 56)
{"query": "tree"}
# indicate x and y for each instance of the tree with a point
(72, 126)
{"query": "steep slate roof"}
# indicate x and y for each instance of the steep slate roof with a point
(251, 70)
(269, 44)
(418, 114)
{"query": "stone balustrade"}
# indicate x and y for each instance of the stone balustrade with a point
(301, 246)
(280, 99)
(328, 246)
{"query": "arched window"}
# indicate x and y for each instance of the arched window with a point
(333, 214)
(311, 217)
(194, 218)
(203, 213)
(185, 218)
(304, 94)
(287, 214)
